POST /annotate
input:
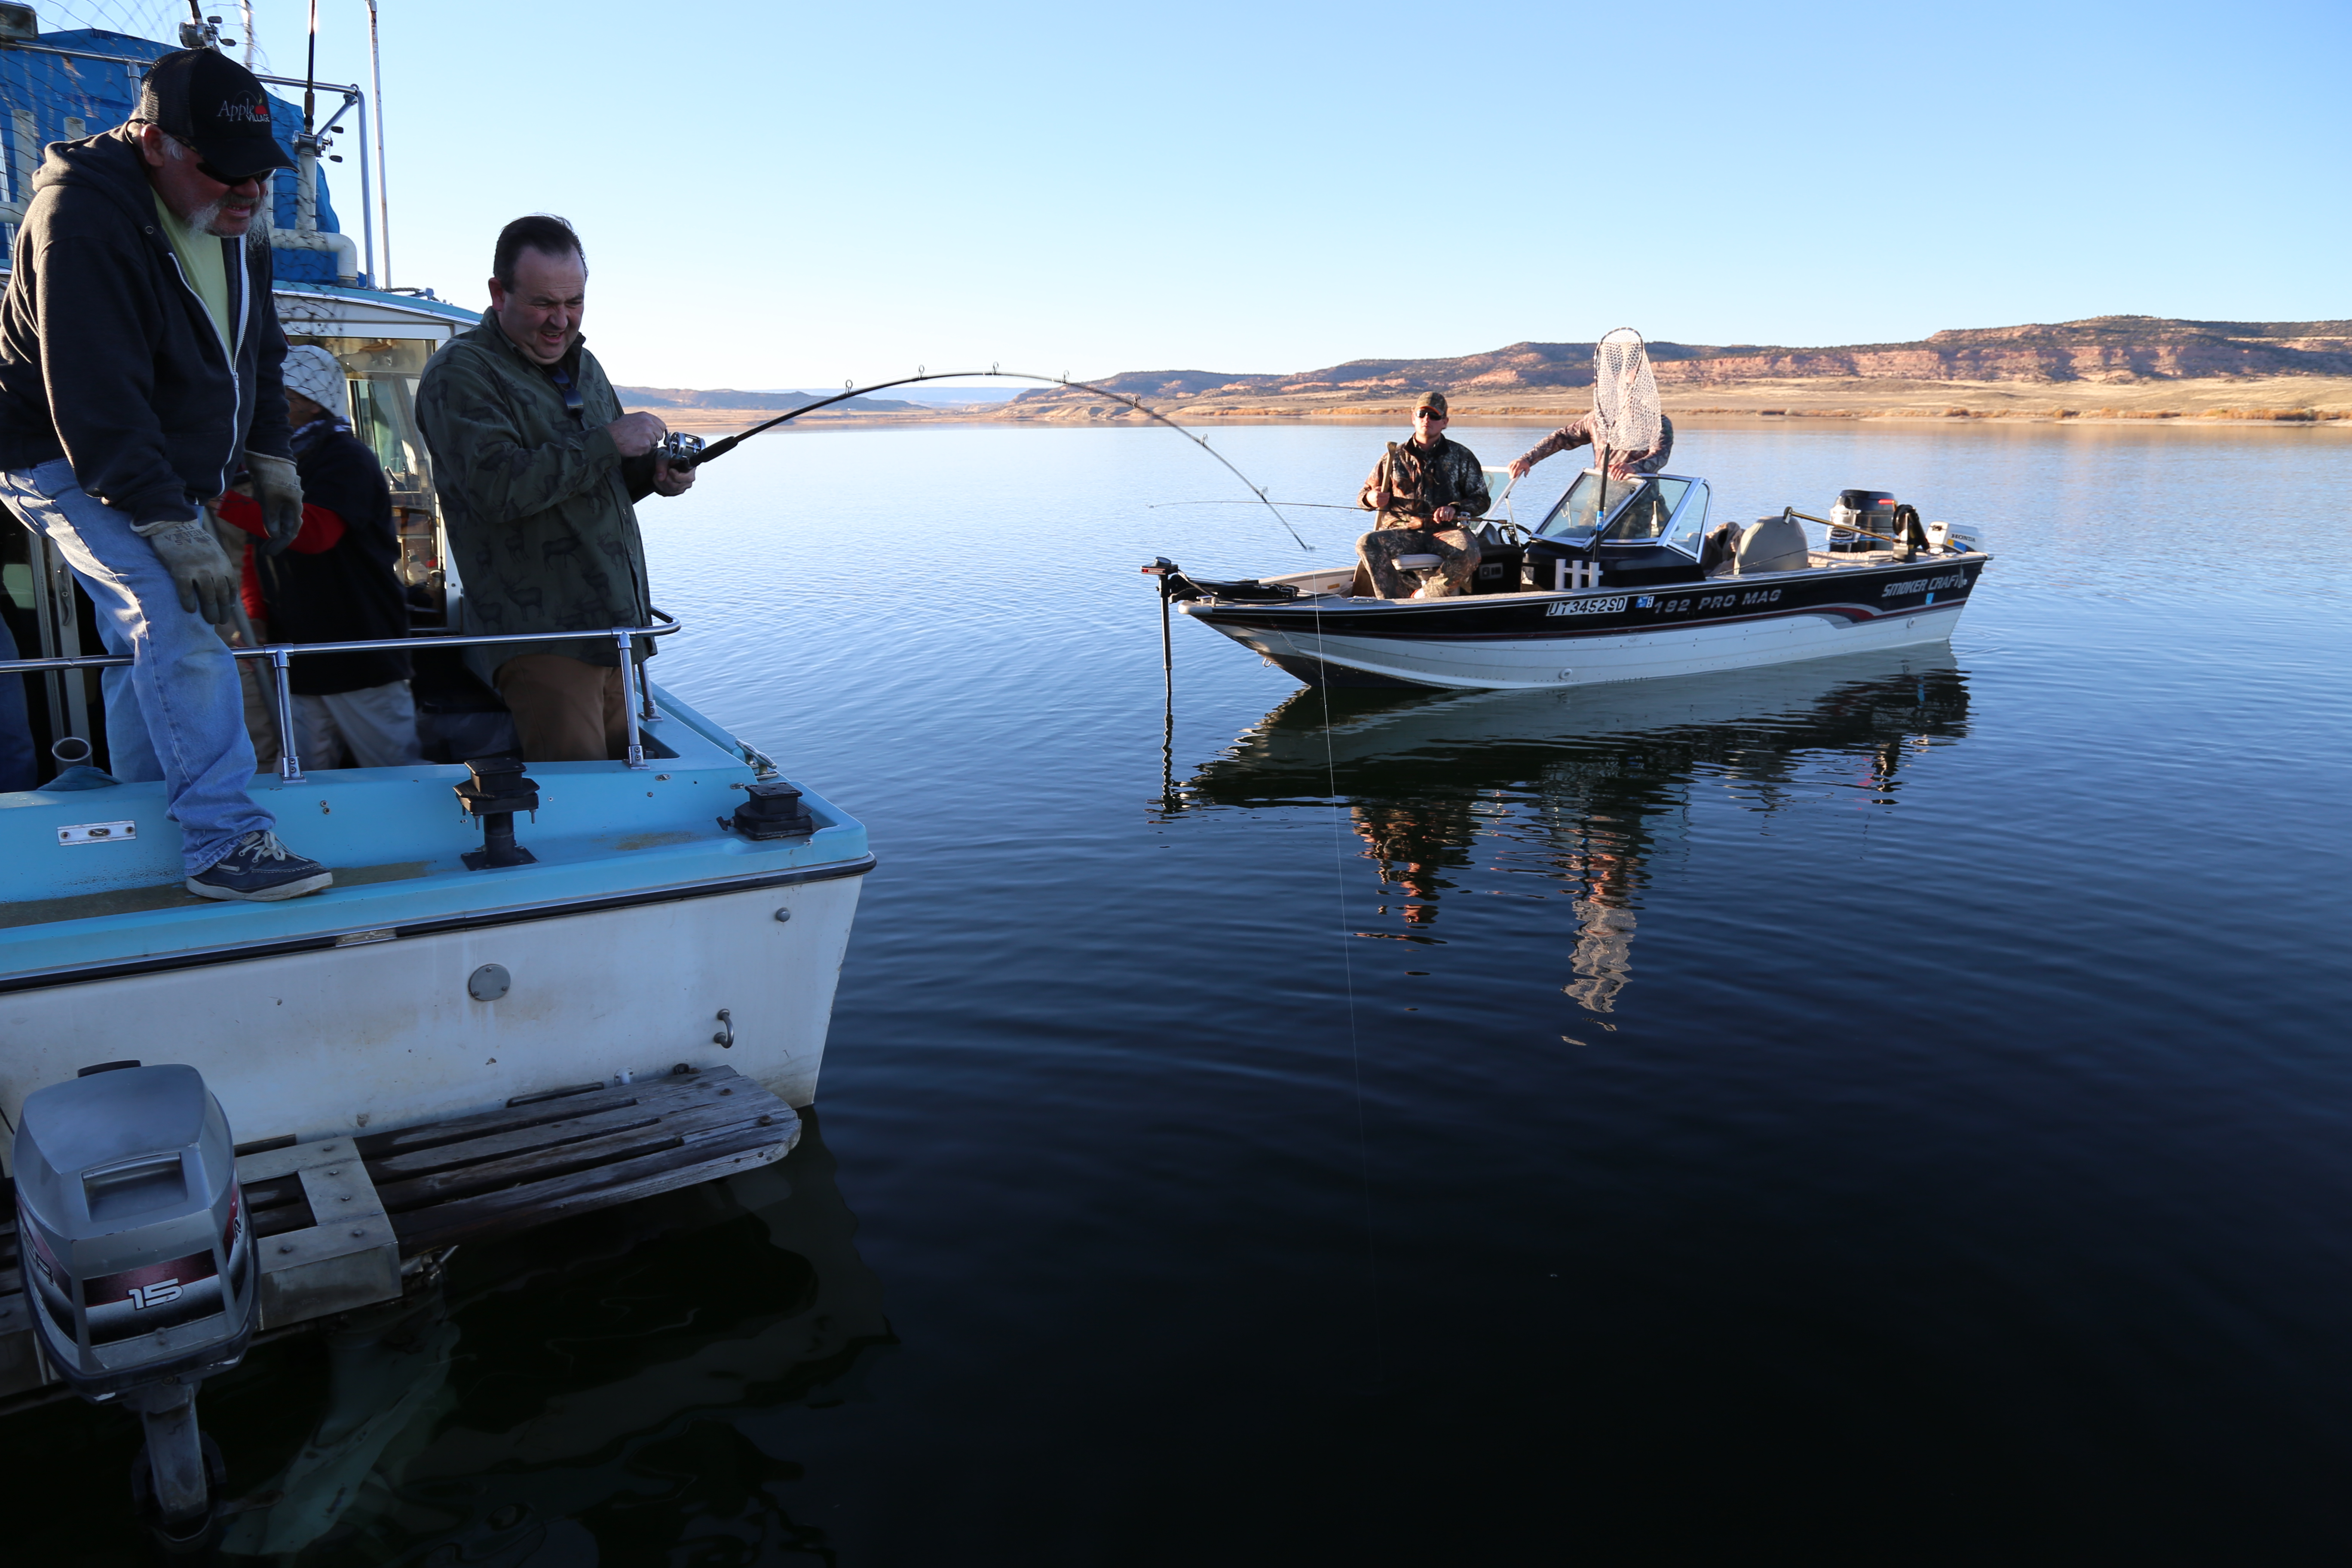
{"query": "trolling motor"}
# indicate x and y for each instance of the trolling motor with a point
(140, 1264)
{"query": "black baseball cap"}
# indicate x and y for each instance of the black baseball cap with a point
(216, 106)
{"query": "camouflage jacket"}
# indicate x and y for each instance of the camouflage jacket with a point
(1418, 483)
(1579, 433)
(539, 501)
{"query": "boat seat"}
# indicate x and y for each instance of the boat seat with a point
(1772, 544)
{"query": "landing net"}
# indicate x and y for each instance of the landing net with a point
(1624, 393)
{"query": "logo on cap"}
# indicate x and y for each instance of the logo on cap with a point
(252, 112)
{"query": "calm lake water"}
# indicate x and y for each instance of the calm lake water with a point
(1892, 1110)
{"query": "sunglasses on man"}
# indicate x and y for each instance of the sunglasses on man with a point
(215, 176)
(1431, 413)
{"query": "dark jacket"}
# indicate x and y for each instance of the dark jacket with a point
(538, 500)
(1418, 483)
(109, 358)
(341, 591)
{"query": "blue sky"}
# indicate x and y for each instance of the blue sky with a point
(787, 195)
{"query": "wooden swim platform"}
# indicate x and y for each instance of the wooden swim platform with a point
(346, 1222)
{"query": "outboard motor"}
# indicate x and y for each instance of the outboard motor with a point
(138, 1257)
(1872, 510)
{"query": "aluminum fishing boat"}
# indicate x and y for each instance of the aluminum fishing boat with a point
(1622, 583)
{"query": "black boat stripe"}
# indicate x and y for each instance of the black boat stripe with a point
(1853, 613)
(202, 958)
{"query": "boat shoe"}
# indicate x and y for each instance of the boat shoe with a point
(260, 868)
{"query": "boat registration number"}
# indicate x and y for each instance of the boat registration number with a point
(1586, 607)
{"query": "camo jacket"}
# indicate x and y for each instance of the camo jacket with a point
(1579, 433)
(539, 503)
(1419, 483)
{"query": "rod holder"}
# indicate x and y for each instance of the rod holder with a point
(497, 790)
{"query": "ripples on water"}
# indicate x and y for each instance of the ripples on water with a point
(1888, 1109)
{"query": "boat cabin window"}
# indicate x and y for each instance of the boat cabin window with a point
(1688, 532)
(383, 374)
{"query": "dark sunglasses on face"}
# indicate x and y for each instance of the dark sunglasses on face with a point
(215, 176)
(1431, 413)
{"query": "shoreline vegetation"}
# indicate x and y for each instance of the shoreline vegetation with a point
(2105, 370)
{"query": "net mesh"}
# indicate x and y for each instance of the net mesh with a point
(1624, 393)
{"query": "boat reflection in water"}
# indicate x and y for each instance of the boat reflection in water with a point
(1581, 791)
(584, 1383)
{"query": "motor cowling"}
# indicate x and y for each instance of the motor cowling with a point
(137, 1252)
(1872, 509)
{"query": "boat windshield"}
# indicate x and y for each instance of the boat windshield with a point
(1639, 509)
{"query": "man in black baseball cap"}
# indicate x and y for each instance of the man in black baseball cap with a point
(140, 374)
(207, 101)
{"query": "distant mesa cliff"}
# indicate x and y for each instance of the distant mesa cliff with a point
(2080, 362)
(727, 401)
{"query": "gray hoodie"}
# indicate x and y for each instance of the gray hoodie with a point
(108, 356)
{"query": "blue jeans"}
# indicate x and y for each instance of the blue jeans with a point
(177, 714)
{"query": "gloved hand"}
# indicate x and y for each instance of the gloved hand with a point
(200, 569)
(278, 491)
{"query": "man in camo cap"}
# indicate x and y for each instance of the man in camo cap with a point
(1420, 488)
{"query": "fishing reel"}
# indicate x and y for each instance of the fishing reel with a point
(680, 449)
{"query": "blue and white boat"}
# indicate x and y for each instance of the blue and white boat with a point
(676, 910)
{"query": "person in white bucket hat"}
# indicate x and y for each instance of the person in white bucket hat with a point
(336, 583)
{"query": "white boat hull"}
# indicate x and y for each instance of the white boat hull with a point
(1590, 660)
(387, 1034)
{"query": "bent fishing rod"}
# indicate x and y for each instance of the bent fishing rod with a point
(680, 453)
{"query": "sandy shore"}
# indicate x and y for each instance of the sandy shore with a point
(2266, 400)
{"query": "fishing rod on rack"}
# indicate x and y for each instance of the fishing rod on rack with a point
(690, 451)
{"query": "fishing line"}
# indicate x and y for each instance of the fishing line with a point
(720, 449)
(1348, 975)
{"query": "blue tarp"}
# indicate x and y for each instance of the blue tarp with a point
(101, 93)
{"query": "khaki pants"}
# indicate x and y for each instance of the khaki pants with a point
(565, 710)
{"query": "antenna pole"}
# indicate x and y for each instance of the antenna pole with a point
(311, 74)
(382, 175)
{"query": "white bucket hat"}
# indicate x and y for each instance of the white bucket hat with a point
(319, 376)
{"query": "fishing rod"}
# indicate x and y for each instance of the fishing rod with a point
(679, 453)
(1318, 505)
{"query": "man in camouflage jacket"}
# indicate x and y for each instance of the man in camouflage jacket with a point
(1581, 431)
(539, 471)
(1420, 488)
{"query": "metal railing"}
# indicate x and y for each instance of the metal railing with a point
(639, 709)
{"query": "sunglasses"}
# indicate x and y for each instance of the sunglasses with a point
(215, 176)
(1429, 413)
